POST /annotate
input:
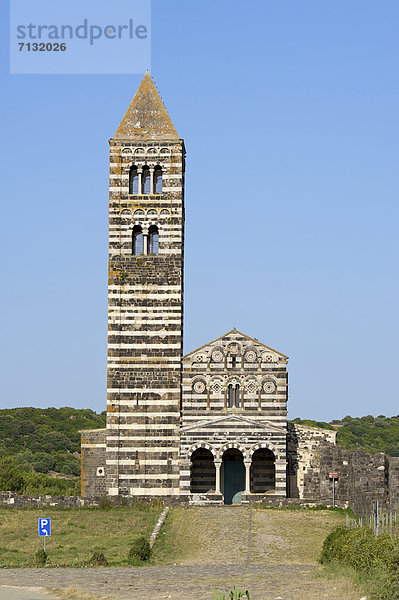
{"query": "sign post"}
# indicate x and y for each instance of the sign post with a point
(44, 530)
(333, 477)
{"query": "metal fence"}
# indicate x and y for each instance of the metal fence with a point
(380, 521)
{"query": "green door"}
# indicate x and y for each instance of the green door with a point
(234, 481)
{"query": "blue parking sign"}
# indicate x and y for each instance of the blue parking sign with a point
(44, 527)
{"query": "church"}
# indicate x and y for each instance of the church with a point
(209, 427)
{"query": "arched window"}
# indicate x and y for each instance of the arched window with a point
(133, 180)
(158, 180)
(153, 240)
(233, 395)
(230, 396)
(237, 396)
(138, 241)
(146, 181)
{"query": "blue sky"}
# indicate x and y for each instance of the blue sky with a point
(289, 114)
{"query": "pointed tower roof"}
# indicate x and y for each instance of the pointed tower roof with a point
(146, 118)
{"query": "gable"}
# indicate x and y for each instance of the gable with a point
(234, 420)
(234, 342)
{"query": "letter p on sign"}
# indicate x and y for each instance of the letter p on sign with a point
(44, 527)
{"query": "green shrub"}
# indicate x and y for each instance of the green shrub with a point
(41, 557)
(377, 559)
(39, 483)
(98, 560)
(233, 594)
(105, 503)
(140, 550)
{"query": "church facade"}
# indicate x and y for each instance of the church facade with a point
(209, 427)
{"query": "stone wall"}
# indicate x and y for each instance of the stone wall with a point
(303, 455)
(393, 482)
(12, 499)
(363, 478)
(93, 466)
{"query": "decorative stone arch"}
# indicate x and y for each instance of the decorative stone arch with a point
(200, 357)
(269, 379)
(216, 385)
(197, 383)
(128, 163)
(234, 380)
(268, 356)
(202, 469)
(217, 354)
(251, 354)
(234, 445)
(154, 223)
(264, 445)
(264, 457)
(251, 385)
(202, 445)
(232, 344)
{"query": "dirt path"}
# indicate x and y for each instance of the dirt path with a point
(205, 547)
(289, 582)
(24, 593)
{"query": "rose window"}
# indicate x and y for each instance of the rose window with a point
(269, 387)
(217, 356)
(199, 387)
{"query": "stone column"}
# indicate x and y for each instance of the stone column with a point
(151, 180)
(145, 243)
(218, 464)
(139, 174)
(247, 477)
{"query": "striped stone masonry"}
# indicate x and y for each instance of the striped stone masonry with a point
(145, 302)
(235, 392)
(209, 427)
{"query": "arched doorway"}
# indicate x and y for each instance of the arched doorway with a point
(203, 472)
(233, 476)
(263, 471)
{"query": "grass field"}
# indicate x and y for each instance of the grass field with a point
(199, 535)
(75, 534)
(191, 536)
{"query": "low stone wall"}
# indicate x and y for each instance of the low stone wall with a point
(363, 477)
(13, 499)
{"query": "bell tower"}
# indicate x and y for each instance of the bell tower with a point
(145, 300)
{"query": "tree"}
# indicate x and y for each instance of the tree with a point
(10, 478)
